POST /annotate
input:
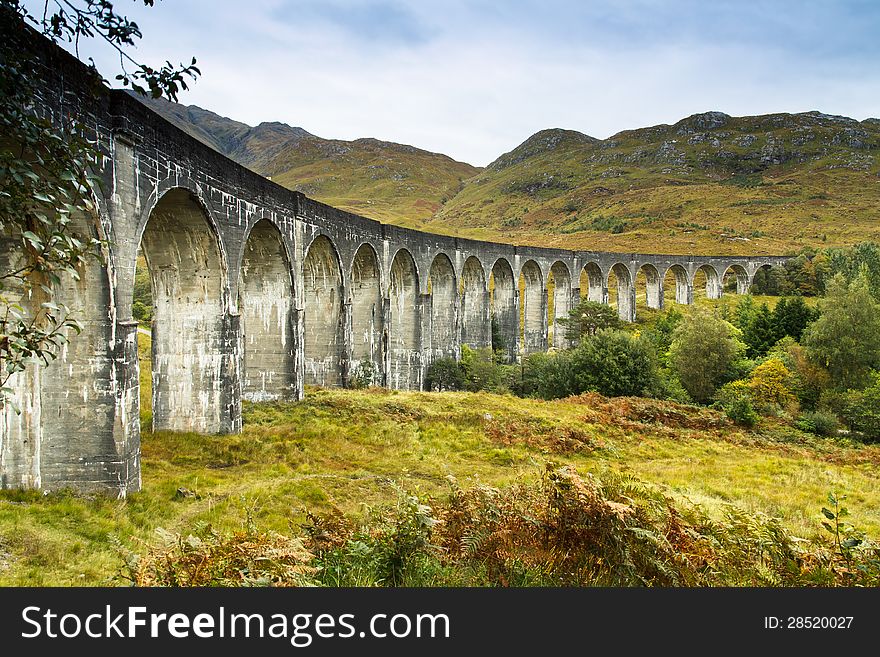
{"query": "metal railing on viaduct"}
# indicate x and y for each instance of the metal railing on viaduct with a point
(258, 290)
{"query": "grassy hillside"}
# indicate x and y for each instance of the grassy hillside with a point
(354, 450)
(390, 182)
(709, 183)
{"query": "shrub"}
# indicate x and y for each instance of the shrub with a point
(735, 399)
(481, 370)
(860, 409)
(364, 375)
(615, 364)
(249, 557)
(769, 385)
(818, 422)
(445, 374)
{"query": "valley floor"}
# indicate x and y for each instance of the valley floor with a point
(354, 450)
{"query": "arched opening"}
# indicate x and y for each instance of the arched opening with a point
(534, 309)
(736, 279)
(366, 317)
(505, 316)
(475, 320)
(648, 280)
(620, 280)
(443, 308)
(561, 302)
(68, 432)
(593, 283)
(189, 336)
(768, 280)
(676, 278)
(707, 282)
(266, 305)
(323, 346)
(404, 330)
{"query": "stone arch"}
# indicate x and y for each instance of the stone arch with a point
(503, 301)
(323, 319)
(533, 298)
(653, 286)
(266, 306)
(713, 280)
(367, 316)
(681, 281)
(72, 431)
(626, 292)
(743, 280)
(404, 358)
(592, 282)
(767, 279)
(475, 320)
(561, 301)
(444, 301)
(192, 361)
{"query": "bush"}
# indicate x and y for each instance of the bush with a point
(770, 386)
(735, 399)
(141, 312)
(249, 557)
(860, 409)
(818, 422)
(481, 370)
(364, 375)
(445, 374)
(613, 363)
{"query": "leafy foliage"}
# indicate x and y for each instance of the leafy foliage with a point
(47, 212)
(588, 318)
(845, 339)
(445, 374)
(610, 362)
(703, 349)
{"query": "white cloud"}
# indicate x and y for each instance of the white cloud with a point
(476, 79)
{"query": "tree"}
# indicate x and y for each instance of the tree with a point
(791, 316)
(588, 318)
(770, 384)
(760, 332)
(46, 177)
(845, 340)
(704, 347)
(445, 374)
(614, 363)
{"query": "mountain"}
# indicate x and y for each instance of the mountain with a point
(709, 183)
(382, 180)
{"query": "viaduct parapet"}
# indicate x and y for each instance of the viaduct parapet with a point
(259, 290)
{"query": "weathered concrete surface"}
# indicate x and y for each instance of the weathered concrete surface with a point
(259, 290)
(268, 325)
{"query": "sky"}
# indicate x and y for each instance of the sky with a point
(473, 78)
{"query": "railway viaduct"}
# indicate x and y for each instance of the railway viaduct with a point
(259, 290)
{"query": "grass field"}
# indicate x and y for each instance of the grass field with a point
(351, 450)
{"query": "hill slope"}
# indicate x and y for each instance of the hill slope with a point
(709, 183)
(382, 180)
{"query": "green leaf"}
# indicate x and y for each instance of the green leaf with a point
(828, 514)
(828, 527)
